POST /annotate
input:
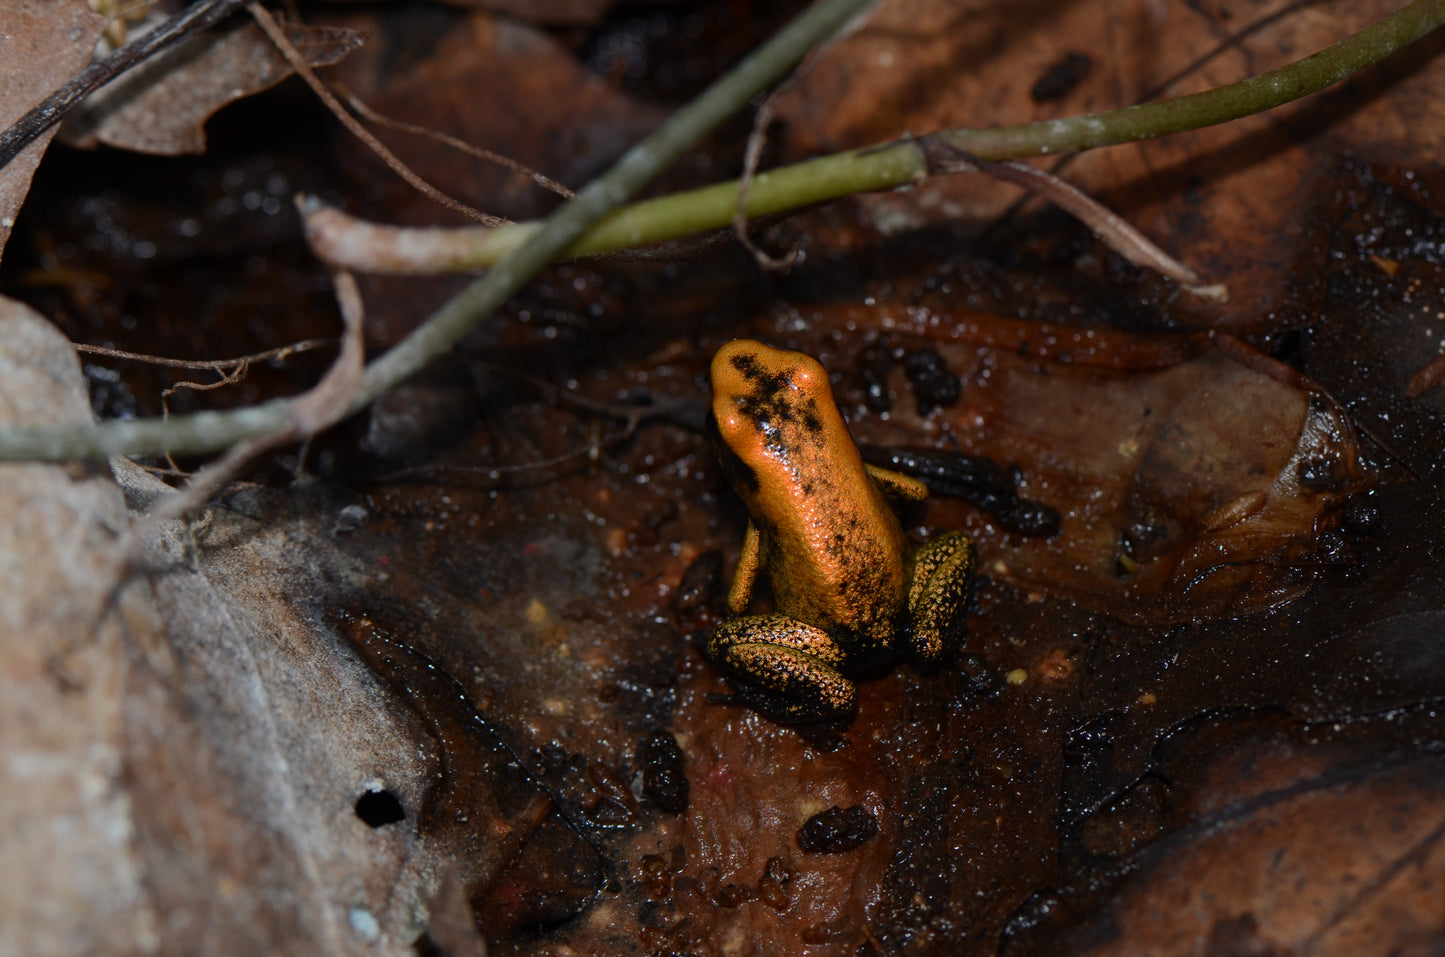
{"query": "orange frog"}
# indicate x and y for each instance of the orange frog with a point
(848, 587)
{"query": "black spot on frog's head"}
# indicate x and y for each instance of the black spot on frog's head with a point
(771, 402)
(748, 365)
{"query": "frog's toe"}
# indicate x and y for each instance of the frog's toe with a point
(954, 549)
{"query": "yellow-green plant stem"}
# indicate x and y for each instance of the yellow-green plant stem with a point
(207, 431)
(899, 164)
(592, 222)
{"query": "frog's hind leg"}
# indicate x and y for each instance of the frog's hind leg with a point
(783, 668)
(938, 598)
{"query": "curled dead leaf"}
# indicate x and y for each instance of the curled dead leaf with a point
(162, 106)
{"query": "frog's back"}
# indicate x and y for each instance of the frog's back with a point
(832, 547)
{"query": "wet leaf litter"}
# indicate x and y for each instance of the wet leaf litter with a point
(495, 617)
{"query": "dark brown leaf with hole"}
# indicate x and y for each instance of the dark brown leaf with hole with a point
(188, 785)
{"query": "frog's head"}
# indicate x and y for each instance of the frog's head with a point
(768, 405)
(763, 398)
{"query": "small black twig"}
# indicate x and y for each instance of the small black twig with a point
(50, 111)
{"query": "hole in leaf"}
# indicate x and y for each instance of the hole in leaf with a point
(379, 808)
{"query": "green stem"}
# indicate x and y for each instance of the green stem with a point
(1198, 110)
(892, 165)
(207, 431)
(520, 251)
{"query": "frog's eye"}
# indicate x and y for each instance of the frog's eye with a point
(810, 380)
(733, 427)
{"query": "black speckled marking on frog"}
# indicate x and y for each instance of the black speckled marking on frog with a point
(792, 676)
(868, 579)
(938, 597)
(773, 404)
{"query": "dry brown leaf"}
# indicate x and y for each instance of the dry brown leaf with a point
(1342, 864)
(75, 883)
(247, 757)
(42, 44)
(1233, 201)
(162, 106)
(187, 785)
(503, 86)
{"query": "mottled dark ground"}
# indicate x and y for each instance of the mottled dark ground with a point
(1202, 717)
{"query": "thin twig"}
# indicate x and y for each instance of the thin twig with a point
(303, 69)
(315, 410)
(231, 371)
(1112, 229)
(481, 153)
(758, 137)
(216, 365)
(591, 224)
(632, 417)
(206, 431)
(195, 19)
(880, 167)
(751, 157)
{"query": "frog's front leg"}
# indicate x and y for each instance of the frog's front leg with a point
(783, 668)
(750, 562)
(938, 597)
(897, 484)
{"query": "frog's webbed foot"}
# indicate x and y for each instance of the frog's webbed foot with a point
(938, 597)
(783, 668)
